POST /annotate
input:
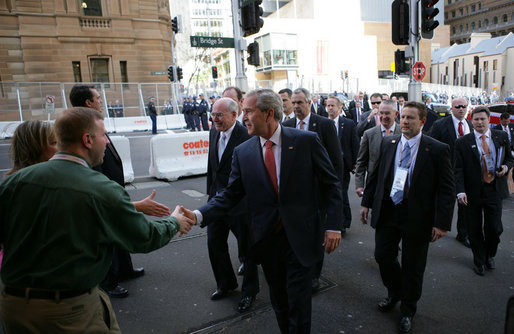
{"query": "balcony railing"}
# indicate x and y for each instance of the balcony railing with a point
(95, 23)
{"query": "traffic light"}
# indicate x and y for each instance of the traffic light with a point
(179, 73)
(400, 64)
(251, 20)
(400, 22)
(170, 73)
(214, 72)
(174, 25)
(428, 13)
(346, 74)
(253, 54)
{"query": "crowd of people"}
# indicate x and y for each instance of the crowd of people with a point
(279, 172)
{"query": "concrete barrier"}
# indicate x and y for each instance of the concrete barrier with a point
(144, 123)
(177, 155)
(122, 145)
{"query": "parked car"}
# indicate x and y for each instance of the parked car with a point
(496, 110)
(441, 109)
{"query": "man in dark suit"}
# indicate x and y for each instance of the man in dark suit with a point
(355, 112)
(306, 120)
(112, 167)
(280, 171)
(224, 136)
(152, 112)
(363, 99)
(482, 161)
(347, 134)
(447, 130)
(370, 118)
(317, 106)
(412, 194)
(285, 95)
(507, 127)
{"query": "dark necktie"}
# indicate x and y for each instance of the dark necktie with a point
(269, 162)
(461, 129)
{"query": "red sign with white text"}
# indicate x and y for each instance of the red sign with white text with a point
(418, 71)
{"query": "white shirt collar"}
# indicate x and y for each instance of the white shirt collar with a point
(413, 141)
(276, 138)
(306, 120)
(228, 133)
(382, 127)
(478, 135)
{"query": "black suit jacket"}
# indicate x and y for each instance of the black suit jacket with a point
(431, 195)
(321, 110)
(468, 171)
(112, 166)
(218, 171)
(353, 114)
(511, 129)
(326, 131)
(349, 141)
(305, 170)
(364, 106)
(444, 131)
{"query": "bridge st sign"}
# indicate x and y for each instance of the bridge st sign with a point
(211, 42)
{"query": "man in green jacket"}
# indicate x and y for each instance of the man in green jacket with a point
(59, 223)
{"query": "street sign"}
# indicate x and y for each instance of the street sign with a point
(418, 71)
(157, 73)
(50, 104)
(211, 42)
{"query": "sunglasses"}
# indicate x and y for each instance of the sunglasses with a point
(377, 102)
(460, 106)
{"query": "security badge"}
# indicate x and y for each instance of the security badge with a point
(400, 177)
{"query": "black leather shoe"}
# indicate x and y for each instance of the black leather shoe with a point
(241, 270)
(315, 285)
(479, 270)
(387, 304)
(405, 325)
(490, 263)
(220, 294)
(245, 304)
(117, 292)
(135, 273)
(464, 241)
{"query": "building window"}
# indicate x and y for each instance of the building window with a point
(467, 27)
(446, 16)
(453, 13)
(479, 6)
(479, 24)
(495, 64)
(495, 20)
(486, 66)
(472, 25)
(449, 2)
(77, 74)
(100, 70)
(92, 7)
(486, 23)
(461, 11)
(453, 30)
(123, 70)
(505, 18)
(460, 28)
(473, 8)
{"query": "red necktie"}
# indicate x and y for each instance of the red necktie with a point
(269, 162)
(461, 130)
(487, 175)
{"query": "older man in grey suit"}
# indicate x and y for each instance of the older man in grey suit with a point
(369, 150)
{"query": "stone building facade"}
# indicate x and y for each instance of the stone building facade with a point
(465, 17)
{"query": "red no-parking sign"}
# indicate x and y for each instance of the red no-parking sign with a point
(418, 71)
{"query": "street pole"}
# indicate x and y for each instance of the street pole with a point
(414, 86)
(174, 84)
(240, 45)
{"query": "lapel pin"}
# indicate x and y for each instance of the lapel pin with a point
(290, 147)
(313, 124)
(427, 149)
(473, 146)
(393, 141)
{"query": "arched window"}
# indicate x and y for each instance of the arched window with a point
(495, 20)
(486, 23)
(479, 24)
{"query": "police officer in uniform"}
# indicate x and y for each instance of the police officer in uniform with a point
(203, 107)
(195, 117)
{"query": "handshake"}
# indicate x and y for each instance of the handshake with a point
(186, 219)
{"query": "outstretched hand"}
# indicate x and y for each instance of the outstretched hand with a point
(189, 214)
(184, 222)
(152, 208)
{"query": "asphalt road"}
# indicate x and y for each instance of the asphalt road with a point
(173, 295)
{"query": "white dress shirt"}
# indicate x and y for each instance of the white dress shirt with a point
(306, 121)
(391, 129)
(414, 145)
(465, 126)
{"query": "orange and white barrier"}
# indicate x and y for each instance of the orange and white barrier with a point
(177, 155)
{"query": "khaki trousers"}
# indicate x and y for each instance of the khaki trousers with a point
(88, 313)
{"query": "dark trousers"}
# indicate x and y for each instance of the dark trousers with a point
(187, 119)
(405, 280)
(347, 212)
(205, 124)
(289, 284)
(484, 223)
(462, 227)
(121, 266)
(217, 235)
(196, 121)
(153, 117)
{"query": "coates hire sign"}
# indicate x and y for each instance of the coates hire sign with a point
(196, 148)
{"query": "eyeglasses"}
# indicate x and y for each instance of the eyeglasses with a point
(217, 115)
(460, 106)
(376, 102)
